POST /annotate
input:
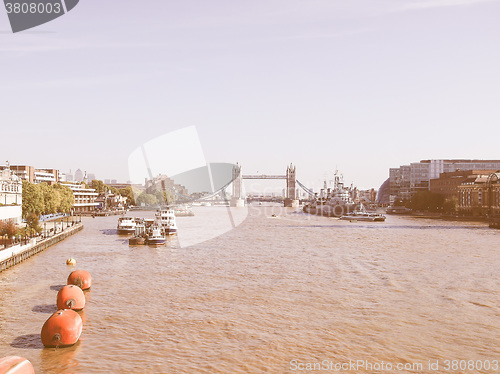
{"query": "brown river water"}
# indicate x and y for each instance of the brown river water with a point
(285, 294)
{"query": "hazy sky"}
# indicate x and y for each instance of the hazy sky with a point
(358, 85)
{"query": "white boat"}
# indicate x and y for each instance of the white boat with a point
(361, 214)
(156, 235)
(183, 211)
(126, 225)
(166, 219)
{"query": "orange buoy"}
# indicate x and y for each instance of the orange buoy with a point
(70, 297)
(15, 365)
(80, 278)
(62, 329)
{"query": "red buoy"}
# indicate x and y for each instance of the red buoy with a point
(62, 329)
(80, 278)
(70, 297)
(15, 365)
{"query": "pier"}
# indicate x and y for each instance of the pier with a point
(18, 253)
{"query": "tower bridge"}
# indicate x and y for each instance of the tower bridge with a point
(291, 185)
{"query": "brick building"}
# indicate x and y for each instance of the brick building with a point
(480, 195)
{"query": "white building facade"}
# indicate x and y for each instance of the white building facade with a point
(11, 197)
(85, 198)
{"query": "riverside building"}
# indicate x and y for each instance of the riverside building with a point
(409, 179)
(85, 198)
(11, 197)
(33, 175)
(479, 195)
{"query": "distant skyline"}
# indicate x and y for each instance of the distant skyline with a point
(360, 86)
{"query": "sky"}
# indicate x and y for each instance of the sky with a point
(356, 85)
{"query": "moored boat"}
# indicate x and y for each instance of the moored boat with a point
(126, 225)
(156, 235)
(166, 219)
(332, 202)
(139, 237)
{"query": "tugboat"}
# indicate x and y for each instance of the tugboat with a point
(126, 225)
(166, 219)
(139, 237)
(332, 202)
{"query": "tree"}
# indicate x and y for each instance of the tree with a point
(99, 186)
(33, 199)
(147, 199)
(32, 222)
(51, 198)
(450, 205)
(66, 198)
(427, 201)
(128, 193)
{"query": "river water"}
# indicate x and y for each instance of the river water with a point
(275, 294)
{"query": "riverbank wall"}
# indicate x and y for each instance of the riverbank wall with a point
(16, 254)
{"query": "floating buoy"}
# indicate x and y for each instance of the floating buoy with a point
(80, 278)
(71, 261)
(70, 297)
(62, 329)
(15, 365)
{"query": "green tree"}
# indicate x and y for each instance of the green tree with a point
(66, 198)
(128, 193)
(51, 198)
(147, 199)
(32, 223)
(33, 199)
(99, 186)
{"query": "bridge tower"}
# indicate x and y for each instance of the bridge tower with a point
(291, 187)
(237, 198)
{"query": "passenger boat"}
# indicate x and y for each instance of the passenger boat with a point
(332, 202)
(126, 225)
(156, 235)
(361, 214)
(166, 219)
